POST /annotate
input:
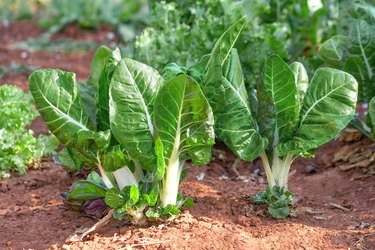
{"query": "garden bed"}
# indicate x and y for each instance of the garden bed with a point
(332, 211)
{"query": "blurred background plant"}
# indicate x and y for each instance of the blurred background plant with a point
(18, 146)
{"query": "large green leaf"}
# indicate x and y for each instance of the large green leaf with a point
(328, 107)
(132, 92)
(184, 121)
(102, 98)
(56, 95)
(278, 101)
(223, 85)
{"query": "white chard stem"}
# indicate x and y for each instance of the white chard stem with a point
(266, 165)
(170, 184)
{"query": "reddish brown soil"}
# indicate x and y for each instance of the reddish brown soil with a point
(223, 217)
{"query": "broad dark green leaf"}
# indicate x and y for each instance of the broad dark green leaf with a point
(56, 95)
(132, 92)
(278, 102)
(184, 121)
(224, 88)
(328, 107)
(86, 190)
(102, 97)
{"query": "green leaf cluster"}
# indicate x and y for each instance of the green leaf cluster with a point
(139, 133)
(18, 146)
(88, 14)
(287, 115)
(182, 31)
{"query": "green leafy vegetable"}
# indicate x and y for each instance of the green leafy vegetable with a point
(285, 120)
(18, 146)
(143, 131)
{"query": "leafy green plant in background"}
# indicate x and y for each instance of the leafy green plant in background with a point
(89, 14)
(353, 48)
(145, 128)
(44, 43)
(181, 31)
(289, 116)
(11, 10)
(18, 146)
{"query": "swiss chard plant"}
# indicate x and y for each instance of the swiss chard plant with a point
(353, 48)
(287, 115)
(145, 129)
(18, 146)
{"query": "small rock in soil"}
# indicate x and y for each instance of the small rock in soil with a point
(310, 169)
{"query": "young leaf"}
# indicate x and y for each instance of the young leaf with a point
(183, 121)
(278, 101)
(132, 91)
(328, 107)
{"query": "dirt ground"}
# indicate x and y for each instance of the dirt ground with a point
(333, 209)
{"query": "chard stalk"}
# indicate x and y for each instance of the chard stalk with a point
(124, 177)
(105, 178)
(172, 174)
(267, 169)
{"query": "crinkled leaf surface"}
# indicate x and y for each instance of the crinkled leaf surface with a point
(56, 95)
(184, 121)
(328, 107)
(132, 91)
